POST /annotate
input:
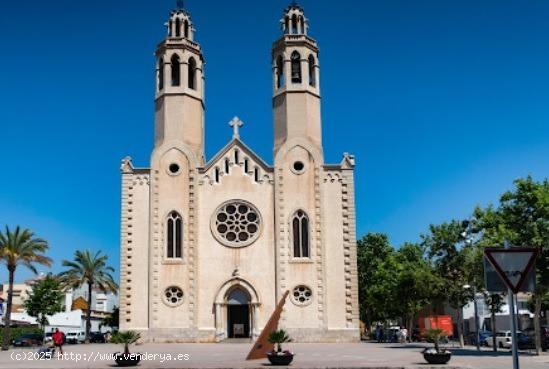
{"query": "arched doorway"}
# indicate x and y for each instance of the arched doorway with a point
(238, 313)
(235, 299)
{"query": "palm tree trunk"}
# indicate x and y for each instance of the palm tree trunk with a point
(537, 328)
(7, 318)
(493, 321)
(88, 312)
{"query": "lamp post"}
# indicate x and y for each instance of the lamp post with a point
(475, 305)
(467, 235)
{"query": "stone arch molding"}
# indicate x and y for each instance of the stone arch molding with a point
(225, 289)
(303, 143)
(174, 145)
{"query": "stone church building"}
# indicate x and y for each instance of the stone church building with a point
(208, 247)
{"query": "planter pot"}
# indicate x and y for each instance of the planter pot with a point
(437, 357)
(131, 359)
(284, 359)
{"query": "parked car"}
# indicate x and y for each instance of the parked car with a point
(484, 337)
(525, 341)
(503, 339)
(75, 337)
(48, 337)
(28, 339)
(97, 337)
(529, 342)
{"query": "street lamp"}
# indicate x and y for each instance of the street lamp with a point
(476, 313)
(467, 235)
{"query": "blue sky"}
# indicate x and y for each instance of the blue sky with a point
(443, 103)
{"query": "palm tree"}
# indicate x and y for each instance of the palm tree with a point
(19, 247)
(90, 269)
(125, 338)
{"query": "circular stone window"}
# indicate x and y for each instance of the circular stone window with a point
(236, 223)
(173, 169)
(173, 296)
(302, 295)
(298, 167)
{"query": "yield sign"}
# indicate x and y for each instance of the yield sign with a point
(512, 264)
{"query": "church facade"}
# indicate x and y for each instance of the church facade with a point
(208, 247)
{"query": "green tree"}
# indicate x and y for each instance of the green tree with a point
(417, 283)
(91, 270)
(449, 252)
(45, 299)
(19, 247)
(376, 277)
(113, 320)
(522, 218)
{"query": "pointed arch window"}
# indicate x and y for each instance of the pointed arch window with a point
(279, 72)
(170, 26)
(177, 27)
(286, 24)
(160, 74)
(176, 70)
(312, 72)
(186, 28)
(192, 73)
(174, 235)
(300, 230)
(296, 67)
(302, 24)
(294, 24)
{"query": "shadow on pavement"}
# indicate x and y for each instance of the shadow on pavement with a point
(456, 351)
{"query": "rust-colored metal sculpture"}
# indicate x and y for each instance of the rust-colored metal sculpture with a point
(262, 345)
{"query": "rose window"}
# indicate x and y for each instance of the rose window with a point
(236, 223)
(173, 296)
(302, 295)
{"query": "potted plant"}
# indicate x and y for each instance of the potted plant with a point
(126, 338)
(436, 355)
(279, 357)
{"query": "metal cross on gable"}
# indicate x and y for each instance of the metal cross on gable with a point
(236, 123)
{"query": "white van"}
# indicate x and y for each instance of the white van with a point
(75, 336)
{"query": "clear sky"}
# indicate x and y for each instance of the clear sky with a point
(443, 103)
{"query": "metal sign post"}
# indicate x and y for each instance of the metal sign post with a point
(514, 343)
(514, 268)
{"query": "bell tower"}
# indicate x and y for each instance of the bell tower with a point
(296, 92)
(179, 98)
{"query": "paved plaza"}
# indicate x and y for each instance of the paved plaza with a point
(231, 355)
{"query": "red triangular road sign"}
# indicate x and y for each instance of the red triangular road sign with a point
(512, 264)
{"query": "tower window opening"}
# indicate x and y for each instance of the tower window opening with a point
(177, 27)
(217, 175)
(186, 28)
(300, 230)
(312, 73)
(170, 25)
(227, 166)
(286, 24)
(246, 166)
(176, 70)
(256, 174)
(294, 24)
(160, 74)
(296, 67)
(279, 72)
(301, 24)
(236, 157)
(174, 235)
(192, 73)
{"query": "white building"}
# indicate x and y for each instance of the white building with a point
(208, 247)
